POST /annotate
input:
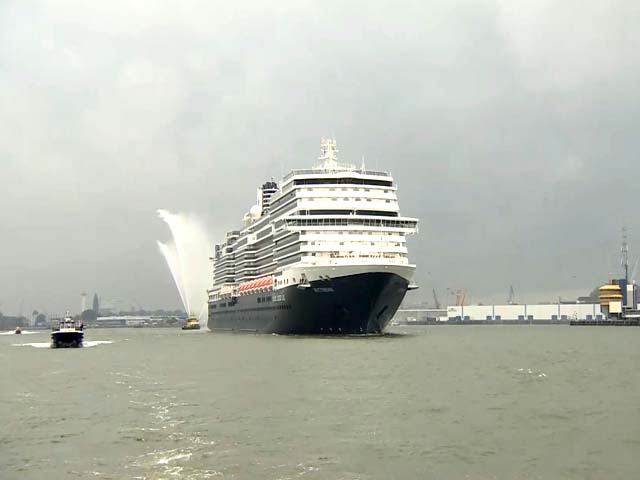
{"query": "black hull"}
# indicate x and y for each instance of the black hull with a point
(354, 304)
(66, 339)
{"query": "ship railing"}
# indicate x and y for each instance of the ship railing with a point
(70, 324)
(350, 221)
(338, 259)
(366, 257)
(341, 168)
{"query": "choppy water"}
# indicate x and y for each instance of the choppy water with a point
(447, 402)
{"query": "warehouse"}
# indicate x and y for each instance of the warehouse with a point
(549, 312)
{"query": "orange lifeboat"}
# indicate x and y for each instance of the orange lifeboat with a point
(263, 282)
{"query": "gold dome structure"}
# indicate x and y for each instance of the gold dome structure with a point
(610, 293)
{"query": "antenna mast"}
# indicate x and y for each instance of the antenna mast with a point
(624, 254)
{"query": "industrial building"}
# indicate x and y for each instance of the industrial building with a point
(551, 312)
(115, 321)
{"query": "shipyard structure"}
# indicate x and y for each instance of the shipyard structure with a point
(617, 304)
(618, 298)
(526, 313)
(549, 313)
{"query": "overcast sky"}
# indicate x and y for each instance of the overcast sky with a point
(510, 127)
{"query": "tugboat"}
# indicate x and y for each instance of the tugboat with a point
(191, 324)
(18, 330)
(67, 334)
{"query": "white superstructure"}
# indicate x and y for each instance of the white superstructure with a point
(332, 220)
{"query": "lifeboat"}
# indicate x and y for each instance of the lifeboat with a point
(264, 282)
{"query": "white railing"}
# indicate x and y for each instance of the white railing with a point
(348, 168)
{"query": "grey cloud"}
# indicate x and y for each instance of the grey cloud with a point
(510, 128)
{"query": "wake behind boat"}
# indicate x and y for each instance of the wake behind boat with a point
(67, 334)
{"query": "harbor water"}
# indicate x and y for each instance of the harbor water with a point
(442, 402)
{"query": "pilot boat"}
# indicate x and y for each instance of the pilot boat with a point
(68, 333)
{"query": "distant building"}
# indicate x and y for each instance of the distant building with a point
(41, 320)
(110, 322)
(9, 323)
(549, 312)
(96, 303)
(114, 321)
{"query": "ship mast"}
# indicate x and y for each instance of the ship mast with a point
(328, 154)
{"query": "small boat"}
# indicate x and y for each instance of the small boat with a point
(191, 324)
(18, 330)
(68, 333)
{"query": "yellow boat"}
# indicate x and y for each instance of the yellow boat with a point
(191, 324)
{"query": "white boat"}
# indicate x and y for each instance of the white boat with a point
(68, 333)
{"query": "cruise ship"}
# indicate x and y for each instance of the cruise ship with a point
(322, 253)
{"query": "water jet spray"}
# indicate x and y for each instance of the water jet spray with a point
(187, 257)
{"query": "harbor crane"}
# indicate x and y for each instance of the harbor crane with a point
(460, 295)
(435, 299)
